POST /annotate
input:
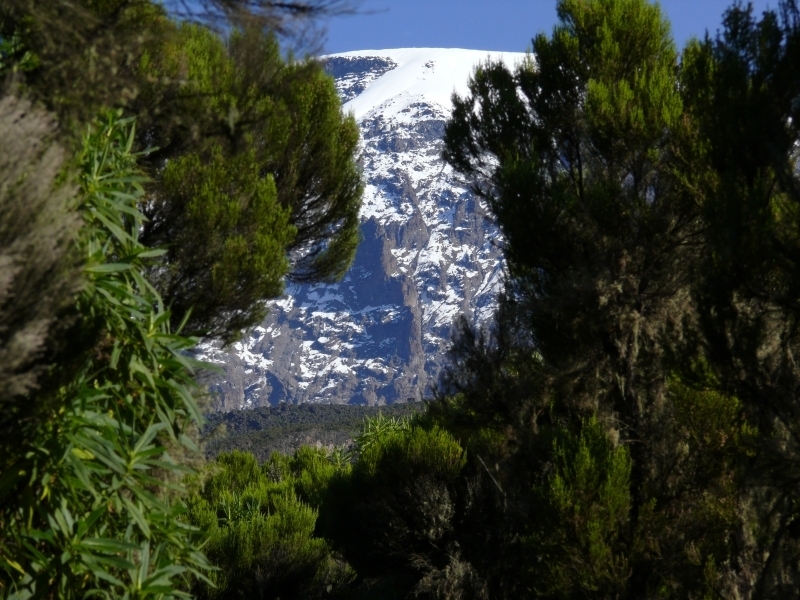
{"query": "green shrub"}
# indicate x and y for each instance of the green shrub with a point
(581, 518)
(39, 270)
(312, 470)
(375, 429)
(404, 452)
(393, 514)
(260, 534)
(86, 506)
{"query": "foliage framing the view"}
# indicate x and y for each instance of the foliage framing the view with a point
(627, 430)
(648, 204)
(241, 113)
(87, 508)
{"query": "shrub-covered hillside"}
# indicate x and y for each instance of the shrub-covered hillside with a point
(287, 427)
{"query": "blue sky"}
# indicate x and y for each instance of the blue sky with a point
(505, 25)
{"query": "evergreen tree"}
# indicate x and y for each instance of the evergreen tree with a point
(743, 88)
(252, 132)
(597, 229)
(595, 160)
(577, 154)
(394, 515)
(584, 508)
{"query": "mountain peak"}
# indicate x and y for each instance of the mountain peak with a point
(403, 76)
(428, 253)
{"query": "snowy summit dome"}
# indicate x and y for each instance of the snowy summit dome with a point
(417, 74)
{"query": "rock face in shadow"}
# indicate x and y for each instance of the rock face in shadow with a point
(354, 74)
(429, 252)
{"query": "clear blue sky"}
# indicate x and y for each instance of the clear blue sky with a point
(489, 24)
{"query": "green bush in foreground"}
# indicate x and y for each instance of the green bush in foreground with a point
(260, 534)
(393, 515)
(583, 512)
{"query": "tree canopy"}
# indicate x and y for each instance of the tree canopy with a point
(647, 203)
(240, 116)
(195, 93)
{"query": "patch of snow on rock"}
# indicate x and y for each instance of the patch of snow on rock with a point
(429, 253)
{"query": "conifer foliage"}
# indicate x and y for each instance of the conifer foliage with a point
(647, 202)
(261, 533)
(250, 134)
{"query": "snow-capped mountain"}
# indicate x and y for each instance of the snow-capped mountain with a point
(428, 253)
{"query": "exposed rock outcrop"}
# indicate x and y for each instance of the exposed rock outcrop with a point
(428, 254)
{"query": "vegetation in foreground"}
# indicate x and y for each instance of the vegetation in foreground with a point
(285, 428)
(129, 139)
(627, 428)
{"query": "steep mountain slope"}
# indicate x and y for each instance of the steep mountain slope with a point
(428, 254)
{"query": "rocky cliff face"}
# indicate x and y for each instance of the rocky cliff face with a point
(428, 254)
